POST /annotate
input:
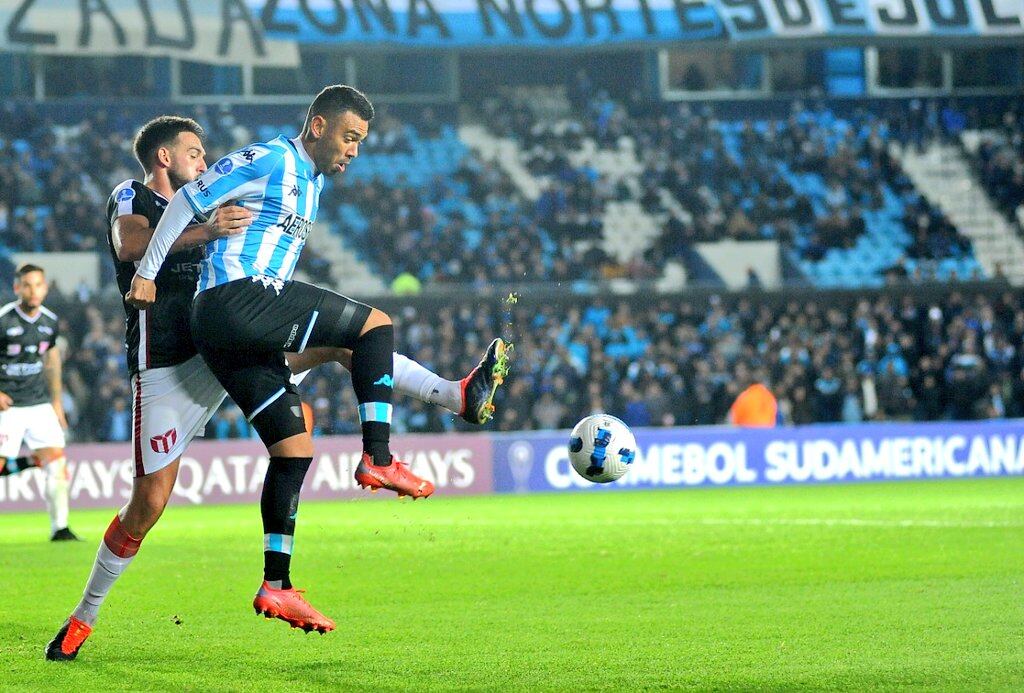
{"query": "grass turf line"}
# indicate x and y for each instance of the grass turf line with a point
(881, 586)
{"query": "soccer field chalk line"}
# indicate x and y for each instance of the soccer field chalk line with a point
(755, 522)
(858, 522)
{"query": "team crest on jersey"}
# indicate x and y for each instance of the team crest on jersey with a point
(15, 331)
(125, 194)
(165, 441)
(224, 166)
(45, 330)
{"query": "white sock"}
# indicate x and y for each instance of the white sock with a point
(57, 493)
(416, 381)
(107, 568)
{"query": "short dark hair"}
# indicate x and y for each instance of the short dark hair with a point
(337, 99)
(27, 268)
(161, 132)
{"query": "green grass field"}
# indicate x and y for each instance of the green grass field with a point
(891, 586)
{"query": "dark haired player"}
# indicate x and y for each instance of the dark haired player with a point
(31, 411)
(248, 312)
(175, 391)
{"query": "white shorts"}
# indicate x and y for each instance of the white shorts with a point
(170, 407)
(36, 425)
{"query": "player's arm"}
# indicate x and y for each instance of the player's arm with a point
(238, 176)
(52, 373)
(131, 233)
(6, 401)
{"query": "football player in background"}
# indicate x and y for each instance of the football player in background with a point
(31, 411)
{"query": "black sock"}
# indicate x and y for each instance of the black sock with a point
(279, 505)
(373, 381)
(13, 465)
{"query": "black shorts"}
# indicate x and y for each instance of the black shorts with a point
(244, 328)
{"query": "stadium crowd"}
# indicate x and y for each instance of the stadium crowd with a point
(666, 362)
(671, 361)
(1000, 162)
(809, 179)
(805, 178)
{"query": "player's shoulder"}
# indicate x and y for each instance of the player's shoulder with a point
(7, 309)
(47, 313)
(262, 153)
(128, 190)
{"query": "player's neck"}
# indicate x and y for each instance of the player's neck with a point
(160, 182)
(308, 152)
(27, 309)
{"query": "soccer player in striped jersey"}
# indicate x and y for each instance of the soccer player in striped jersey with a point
(248, 312)
(175, 392)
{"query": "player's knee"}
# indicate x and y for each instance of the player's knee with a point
(47, 455)
(377, 318)
(300, 445)
(282, 419)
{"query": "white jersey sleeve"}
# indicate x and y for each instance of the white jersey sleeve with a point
(241, 175)
(174, 220)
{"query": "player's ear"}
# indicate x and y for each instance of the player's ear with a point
(317, 126)
(163, 156)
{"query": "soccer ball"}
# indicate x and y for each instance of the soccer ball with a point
(601, 448)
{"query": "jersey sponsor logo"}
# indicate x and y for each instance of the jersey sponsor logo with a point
(224, 166)
(185, 271)
(43, 346)
(296, 226)
(164, 442)
(124, 195)
(23, 369)
(13, 349)
(15, 331)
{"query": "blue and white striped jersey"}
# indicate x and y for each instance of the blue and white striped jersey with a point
(279, 184)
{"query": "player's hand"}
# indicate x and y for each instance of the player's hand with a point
(58, 407)
(5, 401)
(228, 220)
(142, 294)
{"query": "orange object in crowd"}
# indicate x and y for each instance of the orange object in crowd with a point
(755, 406)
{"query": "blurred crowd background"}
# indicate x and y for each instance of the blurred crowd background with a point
(673, 361)
(423, 210)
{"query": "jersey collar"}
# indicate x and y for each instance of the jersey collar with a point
(25, 316)
(303, 155)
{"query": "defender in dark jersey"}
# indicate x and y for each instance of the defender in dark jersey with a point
(175, 392)
(30, 394)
